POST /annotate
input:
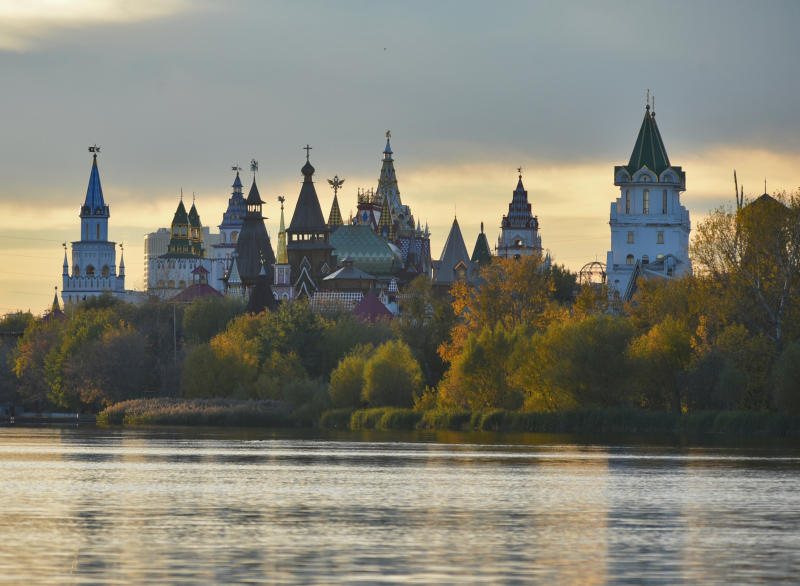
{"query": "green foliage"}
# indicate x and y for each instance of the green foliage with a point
(445, 419)
(208, 316)
(294, 327)
(786, 378)
(392, 376)
(344, 333)
(16, 322)
(580, 362)
(336, 419)
(308, 399)
(385, 418)
(565, 283)
(347, 379)
(481, 376)
(276, 372)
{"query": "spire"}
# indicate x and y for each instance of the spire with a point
(481, 254)
(283, 256)
(453, 253)
(65, 268)
(121, 261)
(94, 205)
(385, 224)
(387, 182)
(194, 217)
(307, 215)
(335, 217)
(649, 148)
(519, 210)
(387, 152)
(55, 307)
(180, 217)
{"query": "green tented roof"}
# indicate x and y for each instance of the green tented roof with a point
(180, 216)
(482, 254)
(649, 148)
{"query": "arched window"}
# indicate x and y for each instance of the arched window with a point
(664, 202)
(660, 237)
(98, 231)
(182, 285)
(659, 256)
(76, 271)
(645, 259)
(86, 230)
(627, 201)
(223, 237)
(183, 230)
(646, 202)
(630, 236)
(172, 284)
(104, 271)
(90, 271)
(629, 259)
(234, 236)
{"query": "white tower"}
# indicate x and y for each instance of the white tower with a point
(94, 268)
(519, 231)
(649, 226)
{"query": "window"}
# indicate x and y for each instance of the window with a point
(183, 230)
(630, 237)
(104, 271)
(234, 237)
(627, 201)
(76, 271)
(660, 237)
(659, 256)
(646, 202)
(98, 231)
(86, 230)
(90, 271)
(629, 259)
(172, 284)
(223, 237)
(645, 259)
(664, 202)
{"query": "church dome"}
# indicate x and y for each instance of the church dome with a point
(308, 169)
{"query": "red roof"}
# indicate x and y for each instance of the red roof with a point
(370, 308)
(200, 270)
(196, 292)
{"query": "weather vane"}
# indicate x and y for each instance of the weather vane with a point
(236, 168)
(307, 148)
(281, 199)
(253, 166)
(519, 170)
(388, 134)
(94, 149)
(336, 183)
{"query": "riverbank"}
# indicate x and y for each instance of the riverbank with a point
(275, 414)
(631, 421)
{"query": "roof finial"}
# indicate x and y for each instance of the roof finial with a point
(519, 170)
(281, 199)
(181, 192)
(236, 168)
(765, 185)
(647, 101)
(654, 104)
(388, 134)
(336, 183)
(481, 227)
(307, 148)
(193, 198)
(253, 166)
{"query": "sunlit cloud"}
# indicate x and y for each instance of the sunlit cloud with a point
(23, 24)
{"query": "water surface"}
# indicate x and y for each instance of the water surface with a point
(214, 506)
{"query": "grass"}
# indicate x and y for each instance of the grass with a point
(173, 411)
(580, 421)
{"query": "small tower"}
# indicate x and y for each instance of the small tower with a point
(649, 226)
(94, 268)
(335, 217)
(481, 254)
(454, 264)
(519, 230)
(253, 248)
(282, 289)
(309, 250)
(229, 231)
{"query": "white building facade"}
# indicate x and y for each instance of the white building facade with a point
(649, 225)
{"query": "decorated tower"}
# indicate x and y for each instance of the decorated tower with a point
(335, 217)
(649, 226)
(94, 268)
(308, 247)
(282, 289)
(253, 247)
(519, 230)
(229, 231)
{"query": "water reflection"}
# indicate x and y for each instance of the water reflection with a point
(152, 506)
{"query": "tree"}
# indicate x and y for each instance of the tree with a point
(661, 357)
(511, 292)
(28, 362)
(347, 379)
(755, 251)
(480, 377)
(578, 362)
(424, 324)
(786, 378)
(392, 376)
(204, 318)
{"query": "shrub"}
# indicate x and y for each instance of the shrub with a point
(445, 419)
(366, 418)
(399, 419)
(392, 376)
(347, 379)
(173, 411)
(336, 419)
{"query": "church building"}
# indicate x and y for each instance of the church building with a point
(94, 266)
(649, 226)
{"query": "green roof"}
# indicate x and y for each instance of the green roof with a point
(482, 254)
(368, 251)
(649, 148)
(180, 216)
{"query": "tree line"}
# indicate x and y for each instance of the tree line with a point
(522, 337)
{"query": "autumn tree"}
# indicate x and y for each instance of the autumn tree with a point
(392, 376)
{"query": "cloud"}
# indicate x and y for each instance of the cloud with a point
(24, 24)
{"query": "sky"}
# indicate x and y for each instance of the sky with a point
(176, 92)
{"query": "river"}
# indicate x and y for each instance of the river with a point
(151, 506)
